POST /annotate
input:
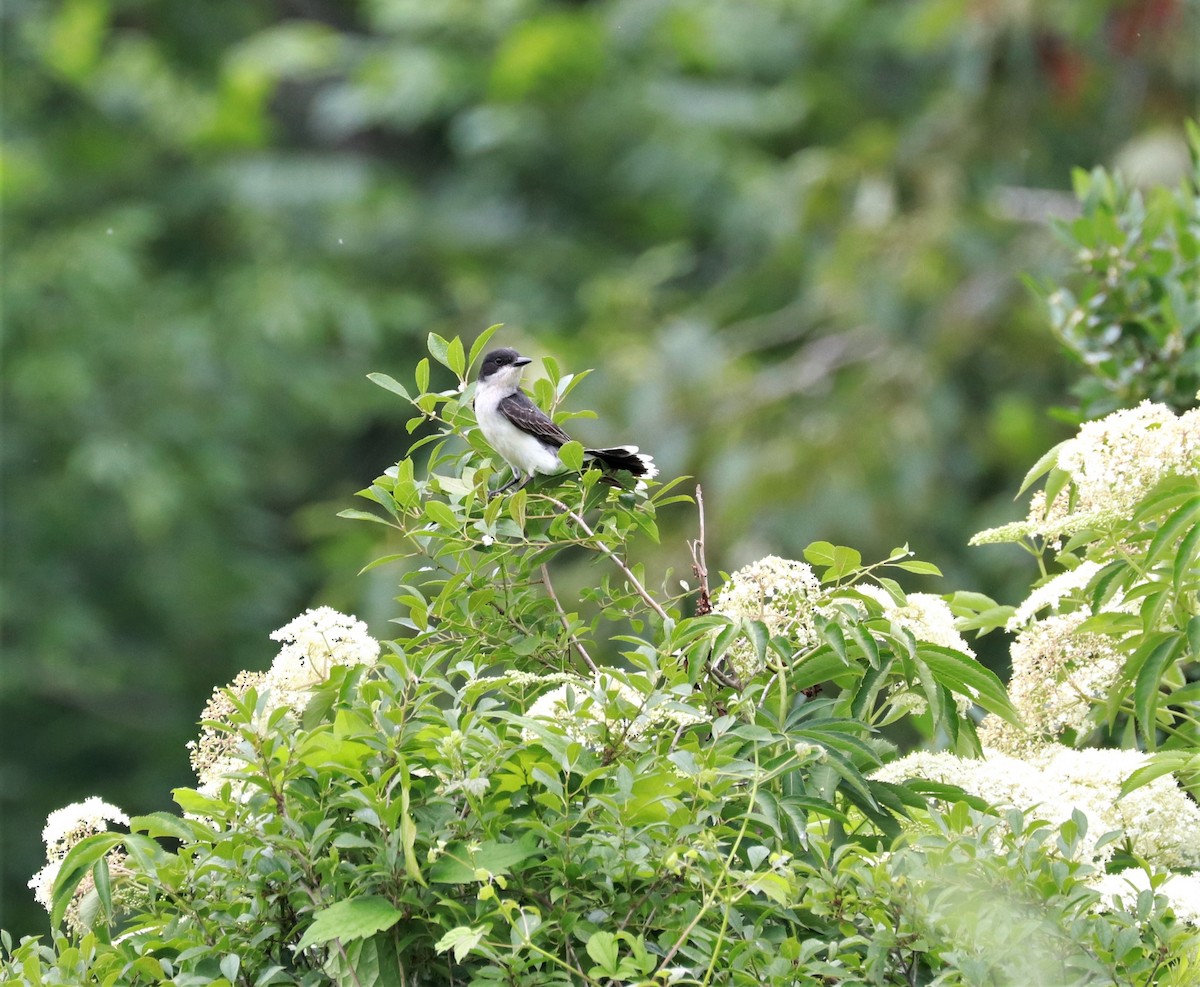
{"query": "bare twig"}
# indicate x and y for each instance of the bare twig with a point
(699, 563)
(704, 600)
(641, 590)
(562, 615)
(729, 681)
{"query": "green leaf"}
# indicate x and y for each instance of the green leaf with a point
(481, 341)
(1147, 645)
(1162, 763)
(966, 676)
(317, 708)
(80, 859)
(919, 567)
(1107, 581)
(442, 515)
(458, 865)
(462, 939)
(146, 854)
(947, 793)
(1193, 638)
(543, 393)
(421, 375)
(1056, 482)
(868, 689)
(408, 832)
(193, 803)
(516, 507)
(103, 885)
(773, 886)
(866, 643)
(355, 515)
(455, 359)
(354, 918)
(571, 454)
(389, 384)
(1185, 557)
(382, 560)
(839, 560)
(820, 553)
(1169, 531)
(439, 349)
(602, 948)
(1048, 460)
(159, 824)
(370, 962)
(964, 602)
(893, 588)
(836, 639)
(701, 657)
(1146, 690)
(826, 664)
(857, 788)
(756, 631)
(986, 620)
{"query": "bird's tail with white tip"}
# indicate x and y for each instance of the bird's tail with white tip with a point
(626, 458)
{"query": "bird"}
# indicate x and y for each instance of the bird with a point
(524, 435)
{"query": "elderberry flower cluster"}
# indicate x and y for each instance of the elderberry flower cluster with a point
(1158, 821)
(925, 616)
(1060, 675)
(313, 644)
(66, 828)
(214, 754)
(786, 596)
(1113, 463)
(1052, 593)
(783, 594)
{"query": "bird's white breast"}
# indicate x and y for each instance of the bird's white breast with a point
(522, 451)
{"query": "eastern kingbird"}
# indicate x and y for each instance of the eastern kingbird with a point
(524, 435)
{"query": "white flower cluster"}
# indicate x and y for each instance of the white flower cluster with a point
(603, 710)
(1158, 819)
(1113, 462)
(213, 754)
(783, 594)
(1182, 891)
(1059, 676)
(786, 596)
(313, 644)
(66, 828)
(1052, 592)
(925, 616)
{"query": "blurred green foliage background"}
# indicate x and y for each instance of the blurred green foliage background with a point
(789, 233)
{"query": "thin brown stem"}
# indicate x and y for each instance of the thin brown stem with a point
(699, 563)
(616, 560)
(729, 681)
(562, 615)
(704, 601)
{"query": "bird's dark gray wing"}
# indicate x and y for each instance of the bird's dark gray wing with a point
(528, 417)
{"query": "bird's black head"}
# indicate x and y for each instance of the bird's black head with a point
(497, 360)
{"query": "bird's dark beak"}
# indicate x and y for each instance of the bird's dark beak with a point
(522, 361)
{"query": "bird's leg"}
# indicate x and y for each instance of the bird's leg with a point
(516, 477)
